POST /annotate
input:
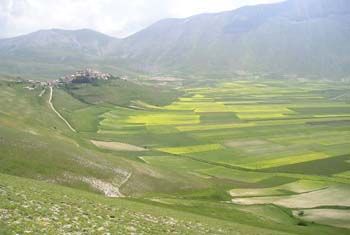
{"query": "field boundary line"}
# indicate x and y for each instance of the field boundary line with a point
(339, 96)
(58, 114)
(125, 180)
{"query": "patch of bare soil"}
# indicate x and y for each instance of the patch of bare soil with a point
(332, 196)
(117, 146)
(244, 143)
(165, 79)
(332, 217)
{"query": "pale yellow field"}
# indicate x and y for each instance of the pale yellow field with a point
(258, 115)
(244, 143)
(164, 119)
(213, 127)
(336, 195)
(117, 146)
(191, 149)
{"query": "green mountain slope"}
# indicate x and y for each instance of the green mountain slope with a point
(67, 42)
(53, 53)
(293, 37)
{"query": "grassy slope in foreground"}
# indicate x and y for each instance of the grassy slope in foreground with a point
(32, 207)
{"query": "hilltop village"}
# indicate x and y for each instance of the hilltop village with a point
(83, 76)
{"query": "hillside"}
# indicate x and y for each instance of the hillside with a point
(292, 37)
(42, 208)
(57, 40)
(53, 53)
(259, 157)
(232, 123)
(295, 38)
(36, 143)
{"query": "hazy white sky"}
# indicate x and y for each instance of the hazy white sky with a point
(118, 18)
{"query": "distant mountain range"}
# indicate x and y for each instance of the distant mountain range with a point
(53, 53)
(295, 37)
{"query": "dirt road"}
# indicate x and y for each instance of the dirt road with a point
(58, 114)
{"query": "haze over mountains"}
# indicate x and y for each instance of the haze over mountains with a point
(296, 37)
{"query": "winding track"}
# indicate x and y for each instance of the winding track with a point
(119, 194)
(58, 114)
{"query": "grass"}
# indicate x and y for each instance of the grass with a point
(120, 92)
(327, 166)
(164, 119)
(213, 127)
(35, 143)
(251, 138)
(281, 161)
(29, 206)
(345, 174)
(236, 175)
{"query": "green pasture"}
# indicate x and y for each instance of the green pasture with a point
(203, 146)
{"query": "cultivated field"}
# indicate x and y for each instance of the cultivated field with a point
(263, 138)
(252, 152)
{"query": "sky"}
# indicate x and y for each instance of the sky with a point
(119, 18)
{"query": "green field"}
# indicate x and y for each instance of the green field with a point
(235, 156)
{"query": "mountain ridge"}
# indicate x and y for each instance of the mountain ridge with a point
(232, 39)
(72, 39)
(294, 37)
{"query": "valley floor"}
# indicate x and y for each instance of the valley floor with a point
(230, 157)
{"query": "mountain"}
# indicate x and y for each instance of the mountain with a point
(52, 53)
(300, 37)
(69, 42)
(295, 37)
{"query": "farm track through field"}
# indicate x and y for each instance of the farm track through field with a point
(216, 163)
(58, 114)
(123, 183)
(340, 96)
